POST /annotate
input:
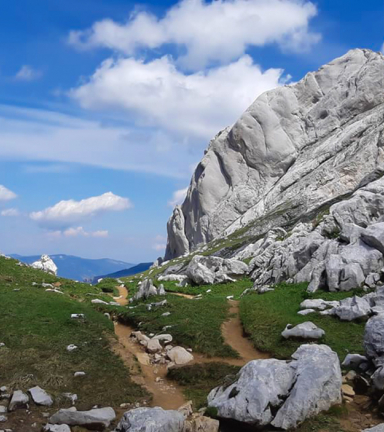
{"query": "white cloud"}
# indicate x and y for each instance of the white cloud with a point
(178, 197)
(6, 194)
(80, 232)
(11, 212)
(208, 31)
(27, 73)
(157, 94)
(68, 213)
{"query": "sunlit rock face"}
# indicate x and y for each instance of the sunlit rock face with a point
(295, 148)
(46, 264)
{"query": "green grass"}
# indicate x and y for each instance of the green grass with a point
(195, 324)
(36, 327)
(109, 286)
(265, 316)
(199, 379)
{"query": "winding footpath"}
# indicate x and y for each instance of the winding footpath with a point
(154, 377)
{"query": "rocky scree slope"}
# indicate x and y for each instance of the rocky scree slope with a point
(296, 150)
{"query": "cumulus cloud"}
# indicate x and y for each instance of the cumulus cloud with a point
(81, 232)
(218, 31)
(11, 212)
(158, 94)
(27, 73)
(68, 213)
(6, 194)
(178, 197)
(160, 243)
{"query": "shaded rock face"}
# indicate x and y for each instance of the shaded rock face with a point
(295, 148)
(280, 393)
(46, 264)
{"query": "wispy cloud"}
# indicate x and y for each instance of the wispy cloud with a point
(11, 212)
(28, 73)
(68, 213)
(178, 197)
(6, 194)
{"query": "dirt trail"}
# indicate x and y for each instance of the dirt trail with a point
(154, 377)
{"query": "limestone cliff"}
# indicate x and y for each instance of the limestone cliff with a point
(295, 149)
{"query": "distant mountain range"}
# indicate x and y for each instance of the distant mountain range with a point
(80, 269)
(126, 272)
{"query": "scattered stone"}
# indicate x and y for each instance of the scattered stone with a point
(351, 375)
(77, 316)
(71, 347)
(40, 396)
(79, 374)
(72, 397)
(165, 338)
(347, 390)
(165, 314)
(306, 311)
(200, 423)
(318, 304)
(151, 420)
(96, 419)
(98, 301)
(3, 409)
(179, 355)
(352, 308)
(306, 330)
(56, 428)
(3, 418)
(154, 346)
(19, 400)
(353, 360)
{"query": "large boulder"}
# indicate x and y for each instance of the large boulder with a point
(151, 420)
(280, 393)
(179, 355)
(374, 339)
(95, 419)
(210, 269)
(46, 264)
(352, 308)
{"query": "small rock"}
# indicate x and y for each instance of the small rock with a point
(71, 347)
(56, 428)
(79, 374)
(77, 316)
(347, 390)
(306, 330)
(179, 355)
(306, 311)
(3, 409)
(40, 396)
(154, 346)
(97, 419)
(19, 400)
(3, 418)
(71, 396)
(351, 375)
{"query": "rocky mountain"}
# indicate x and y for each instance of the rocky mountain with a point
(142, 267)
(295, 152)
(76, 268)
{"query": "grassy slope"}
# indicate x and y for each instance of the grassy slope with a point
(196, 323)
(265, 316)
(36, 327)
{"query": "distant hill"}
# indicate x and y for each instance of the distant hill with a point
(126, 272)
(76, 268)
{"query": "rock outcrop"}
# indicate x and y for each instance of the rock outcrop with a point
(46, 264)
(146, 290)
(296, 150)
(280, 393)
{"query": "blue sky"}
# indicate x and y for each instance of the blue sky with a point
(107, 105)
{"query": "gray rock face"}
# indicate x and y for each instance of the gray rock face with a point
(151, 420)
(40, 396)
(352, 308)
(378, 428)
(95, 419)
(210, 269)
(295, 148)
(374, 339)
(280, 393)
(306, 330)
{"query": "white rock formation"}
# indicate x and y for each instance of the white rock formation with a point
(295, 149)
(97, 419)
(46, 264)
(305, 330)
(280, 393)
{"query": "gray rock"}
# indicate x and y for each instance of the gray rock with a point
(40, 396)
(154, 346)
(3, 418)
(211, 269)
(352, 308)
(200, 423)
(56, 428)
(19, 400)
(378, 428)
(306, 330)
(179, 355)
(280, 393)
(353, 360)
(318, 304)
(46, 264)
(151, 420)
(306, 312)
(374, 236)
(378, 378)
(96, 419)
(374, 339)
(146, 290)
